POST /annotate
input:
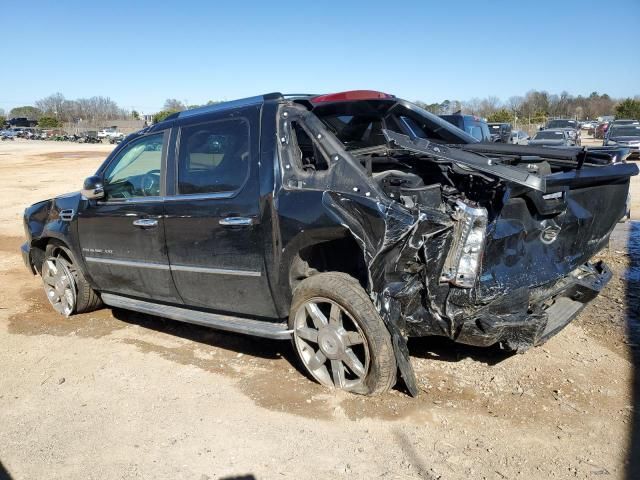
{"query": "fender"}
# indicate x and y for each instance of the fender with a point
(56, 218)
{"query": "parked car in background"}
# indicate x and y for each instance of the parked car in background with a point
(471, 124)
(624, 135)
(625, 121)
(588, 125)
(500, 132)
(557, 137)
(22, 122)
(7, 135)
(110, 133)
(519, 137)
(562, 123)
(346, 223)
(601, 130)
(89, 136)
(574, 139)
(572, 126)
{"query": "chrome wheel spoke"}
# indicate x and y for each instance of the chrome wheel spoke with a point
(62, 285)
(353, 338)
(59, 285)
(352, 361)
(318, 318)
(323, 333)
(335, 315)
(317, 360)
(307, 333)
(337, 372)
(51, 266)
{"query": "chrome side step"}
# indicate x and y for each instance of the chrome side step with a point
(258, 328)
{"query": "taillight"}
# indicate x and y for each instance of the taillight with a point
(463, 262)
(352, 95)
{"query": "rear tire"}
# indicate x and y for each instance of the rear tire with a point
(65, 286)
(339, 336)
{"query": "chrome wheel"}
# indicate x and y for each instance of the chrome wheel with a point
(331, 344)
(59, 284)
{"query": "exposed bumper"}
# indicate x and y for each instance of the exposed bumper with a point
(531, 318)
(26, 257)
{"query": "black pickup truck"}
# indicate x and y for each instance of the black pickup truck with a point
(346, 222)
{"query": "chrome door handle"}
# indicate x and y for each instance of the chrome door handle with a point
(145, 223)
(236, 222)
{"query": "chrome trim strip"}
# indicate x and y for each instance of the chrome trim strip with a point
(169, 198)
(199, 196)
(134, 200)
(128, 263)
(218, 271)
(177, 268)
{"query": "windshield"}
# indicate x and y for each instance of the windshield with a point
(562, 124)
(549, 136)
(625, 131)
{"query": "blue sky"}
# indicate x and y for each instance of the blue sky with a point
(141, 52)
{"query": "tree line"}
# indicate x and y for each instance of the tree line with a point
(537, 106)
(534, 107)
(172, 105)
(54, 110)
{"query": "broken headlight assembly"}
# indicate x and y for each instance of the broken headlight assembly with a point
(462, 265)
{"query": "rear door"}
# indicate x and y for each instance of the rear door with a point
(215, 239)
(122, 236)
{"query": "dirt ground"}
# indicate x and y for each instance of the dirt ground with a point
(112, 395)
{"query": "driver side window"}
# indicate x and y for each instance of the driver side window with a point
(136, 170)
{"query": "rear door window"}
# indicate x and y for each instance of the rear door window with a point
(213, 157)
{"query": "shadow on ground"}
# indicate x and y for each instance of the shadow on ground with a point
(443, 349)
(4, 475)
(439, 349)
(257, 347)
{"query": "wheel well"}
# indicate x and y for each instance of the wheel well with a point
(340, 255)
(39, 249)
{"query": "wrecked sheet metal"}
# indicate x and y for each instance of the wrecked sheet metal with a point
(524, 275)
(477, 162)
(398, 272)
(610, 166)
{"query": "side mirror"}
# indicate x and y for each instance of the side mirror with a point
(93, 188)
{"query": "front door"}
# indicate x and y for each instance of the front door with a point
(215, 239)
(122, 236)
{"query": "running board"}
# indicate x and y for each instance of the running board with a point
(258, 328)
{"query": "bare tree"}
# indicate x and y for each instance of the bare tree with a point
(472, 106)
(173, 104)
(515, 104)
(52, 105)
(488, 106)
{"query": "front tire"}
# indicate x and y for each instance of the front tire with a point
(64, 284)
(339, 336)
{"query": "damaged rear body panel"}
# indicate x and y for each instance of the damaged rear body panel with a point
(482, 244)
